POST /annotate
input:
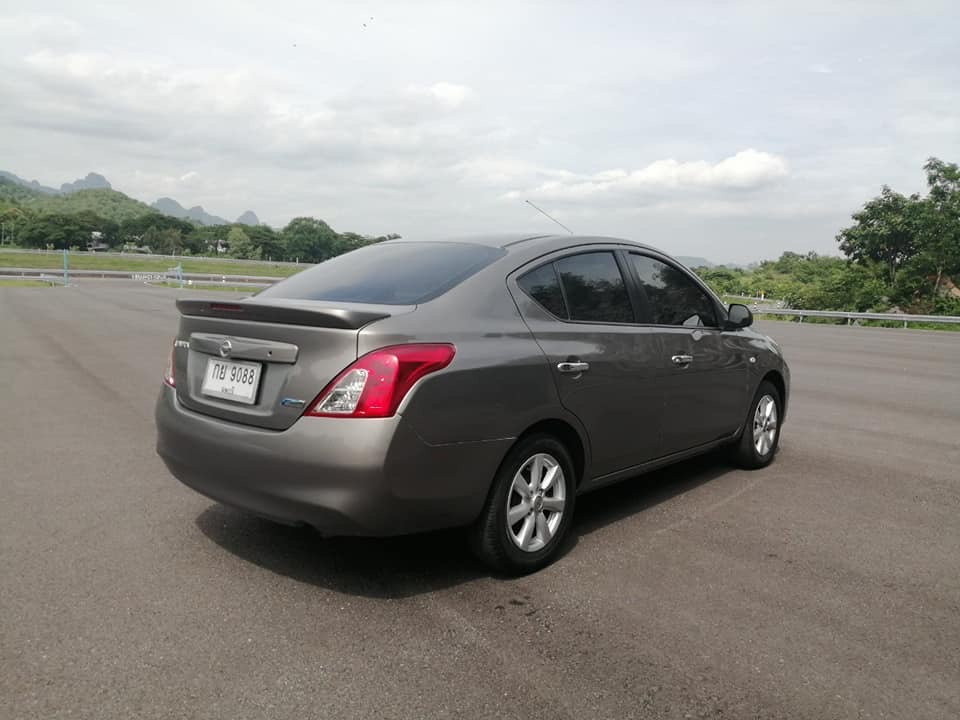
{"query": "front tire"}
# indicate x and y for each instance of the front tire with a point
(529, 509)
(760, 438)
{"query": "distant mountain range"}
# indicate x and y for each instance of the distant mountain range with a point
(699, 262)
(694, 262)
(165, 205)
(93, 181)
(169, 206)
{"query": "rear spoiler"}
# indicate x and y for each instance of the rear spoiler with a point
(326, 317)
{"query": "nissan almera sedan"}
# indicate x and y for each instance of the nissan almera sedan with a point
(485, 383)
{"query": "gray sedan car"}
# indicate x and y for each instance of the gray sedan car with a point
(486, 383)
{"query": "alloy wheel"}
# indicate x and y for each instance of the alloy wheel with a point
(765, 425)
(535, 502)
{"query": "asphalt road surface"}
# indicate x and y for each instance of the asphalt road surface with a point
(826, 586)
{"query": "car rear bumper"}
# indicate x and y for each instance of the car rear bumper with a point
(373, 477)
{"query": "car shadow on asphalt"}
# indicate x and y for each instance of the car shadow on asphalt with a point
(400, 567)
(596, 510)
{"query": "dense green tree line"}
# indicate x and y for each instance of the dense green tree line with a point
(100, 216)
(901, 251)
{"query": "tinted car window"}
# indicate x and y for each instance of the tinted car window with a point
(594, 288)
(391, 273)
(674, 298)
(543, 285)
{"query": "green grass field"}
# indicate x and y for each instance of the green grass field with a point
(22, 282)
(134, 263)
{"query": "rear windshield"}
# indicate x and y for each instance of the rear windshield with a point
(391, 273)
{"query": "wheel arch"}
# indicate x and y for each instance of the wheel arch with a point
(565, 433)
(775, 378)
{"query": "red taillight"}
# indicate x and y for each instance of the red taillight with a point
(375, 385)
(168, 376)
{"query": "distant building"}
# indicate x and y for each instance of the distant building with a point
(96, 243)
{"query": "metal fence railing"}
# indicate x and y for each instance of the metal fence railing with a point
(149, 256)
(170, 275)
(852, 317)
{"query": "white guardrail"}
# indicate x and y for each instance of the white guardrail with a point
(53, 279)
(143, 275)
(852, 317)
(150, 256)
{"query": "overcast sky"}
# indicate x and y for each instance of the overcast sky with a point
(733, 131)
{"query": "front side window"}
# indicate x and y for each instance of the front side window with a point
(594, 288)
(673, 297)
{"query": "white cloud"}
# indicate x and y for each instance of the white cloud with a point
(232, 110)
(449, 95)
(48, 26)
(495, 171)
(748, 169)
(428, 118)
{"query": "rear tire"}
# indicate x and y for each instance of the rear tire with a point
(529, 509)
(760, 438)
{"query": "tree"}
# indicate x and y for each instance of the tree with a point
(309, 240)
(61, 231)
(132, 230)
(12, 217)
(939, 226)
(916, 239)
(268, 241)
(241, 246)
(885, 231)
(205, 238)
(723, 280)
(163, 242)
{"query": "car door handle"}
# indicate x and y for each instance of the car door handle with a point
(573, 367)
(682, 360)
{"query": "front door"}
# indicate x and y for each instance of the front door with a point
(704, 378)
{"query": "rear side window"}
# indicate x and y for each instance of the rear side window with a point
(674, 298)
(585, 288)
(391, 273)
(543, 285)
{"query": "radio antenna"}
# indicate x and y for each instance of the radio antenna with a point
(549, 216)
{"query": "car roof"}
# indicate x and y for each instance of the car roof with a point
(496, 240)
(517, 240)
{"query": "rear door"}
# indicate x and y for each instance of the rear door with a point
(702, 374)
(578, 308)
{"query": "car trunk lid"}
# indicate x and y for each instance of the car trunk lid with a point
(294, 348)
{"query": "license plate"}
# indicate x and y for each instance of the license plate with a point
(230, 380)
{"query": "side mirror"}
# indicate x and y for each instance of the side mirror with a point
(738, 316)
